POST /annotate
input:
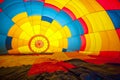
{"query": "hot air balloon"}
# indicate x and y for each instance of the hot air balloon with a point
(45, 26)
(64, 34)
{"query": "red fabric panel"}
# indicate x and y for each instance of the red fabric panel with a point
(84, 25)
(70, 13)
(50, 67)
(106, 57)
(1, 1)
(118, 32)
(83, 45)
(0, 10)
(110, 4)
(52, 6)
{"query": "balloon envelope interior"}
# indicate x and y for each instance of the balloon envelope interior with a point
(45, 26)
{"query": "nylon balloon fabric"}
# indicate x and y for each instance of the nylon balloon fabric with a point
(45, 26)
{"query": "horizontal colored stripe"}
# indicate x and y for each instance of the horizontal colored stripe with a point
(45, 18)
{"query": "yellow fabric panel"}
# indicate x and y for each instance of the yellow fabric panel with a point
(88, 42)
(22, 43)
(105, 41)
(24, 36)
(80, 5)
(98, 42)
(49, 32)
(45, 23)
(75, 8)
(35, 20)
(19, 17)
(17, 33)
(51, 48)
(53, 27)
(58, 35)
(22, 21)
(43, 28)
(14, 43)
(36, 29)
(55, 36)
(107, 23)
(12, 30)
(93, 42)
(89, 26)
(88, 6)
(66, 29)
(114, 41)
(94, 4)
(63, 43)
(55, 3)
(24, 49)
(95, 21)
(56, 24)
(63, 2)
(54, 43)
(62, 31)
(100, 21)
(26, 27)
(25, 42)
(57, 50)
(42, 31)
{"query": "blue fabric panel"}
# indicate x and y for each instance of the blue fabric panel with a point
(45, 18)
(49, 12)
(15, 9)
(115, 17)
(28, 8)
(8, 3)
(37, 8)
(2, 44)
(73, 29)
(8, 43)
(74, 43)
(79, 27)
(5, 24)
(63, 18)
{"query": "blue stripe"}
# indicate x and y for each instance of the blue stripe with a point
(8, 3)
(34, 8)
(74, 43)
(63, 18)
(8, 43)
(115, 17)
(49, 12)
(15, 9)
(45, 18)
(2, 44)
(5, 24)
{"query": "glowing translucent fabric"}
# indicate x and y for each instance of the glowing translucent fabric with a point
(36, 26)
